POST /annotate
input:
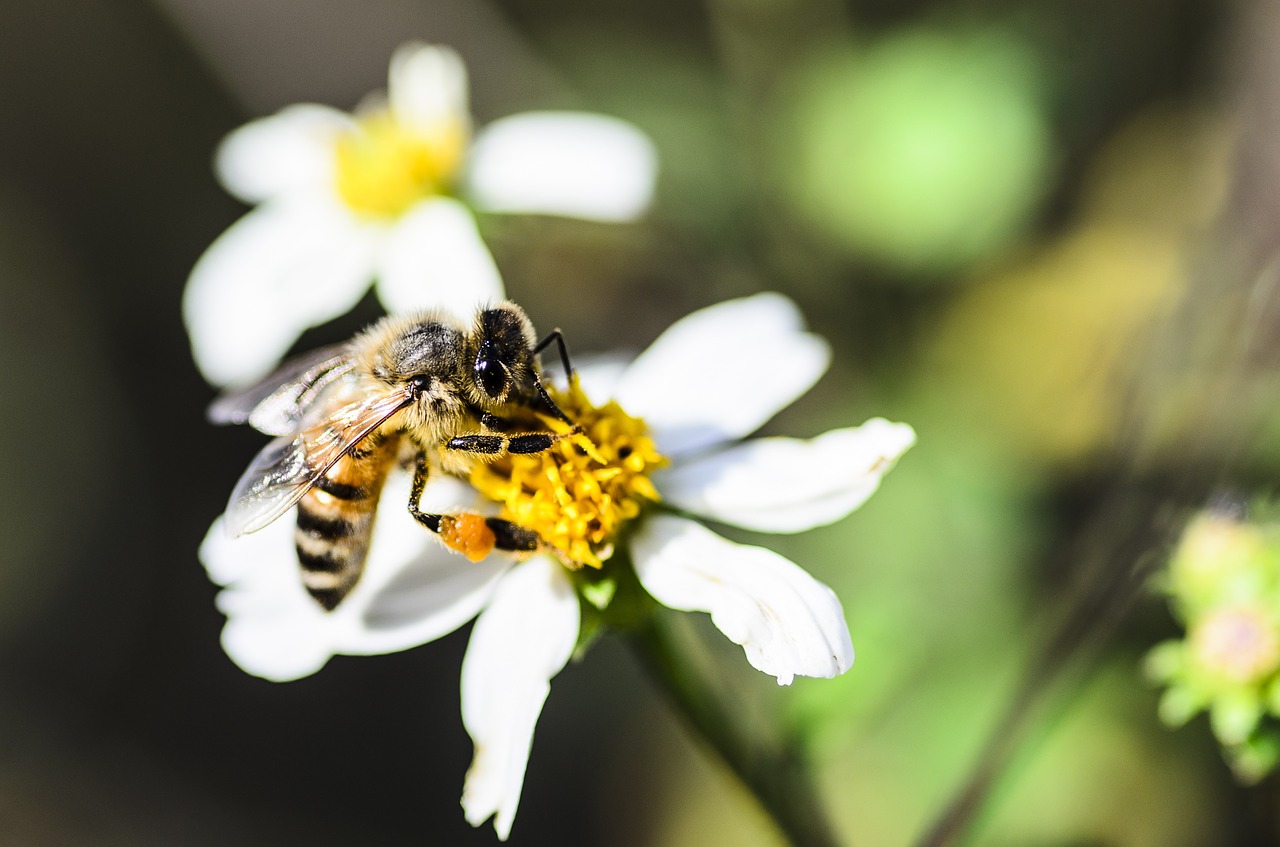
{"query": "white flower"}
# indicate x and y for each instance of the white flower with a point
(342, 199)
(709, 381)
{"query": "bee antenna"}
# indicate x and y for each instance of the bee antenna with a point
(551, 404)
(556, 337)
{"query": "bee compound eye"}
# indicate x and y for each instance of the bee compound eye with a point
(491, 375)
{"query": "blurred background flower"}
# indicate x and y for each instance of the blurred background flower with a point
(1046, 235)
(1223, 584)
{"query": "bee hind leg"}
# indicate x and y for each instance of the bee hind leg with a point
(472, 535)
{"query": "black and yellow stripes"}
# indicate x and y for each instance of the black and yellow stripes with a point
(335, 520)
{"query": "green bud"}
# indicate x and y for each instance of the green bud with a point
(1180, 704)
(599, 593)
(1234, 717)
(1256, 757)
(1165, 661)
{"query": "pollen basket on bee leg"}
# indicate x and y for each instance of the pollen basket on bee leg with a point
(468, 534)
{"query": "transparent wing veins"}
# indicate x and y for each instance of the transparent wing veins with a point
(278, 403)
(290, 465)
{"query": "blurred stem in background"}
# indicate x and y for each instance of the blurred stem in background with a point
(1111, 561)
(772, 766)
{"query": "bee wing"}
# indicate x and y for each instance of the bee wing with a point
(290, 465)
(276, 405)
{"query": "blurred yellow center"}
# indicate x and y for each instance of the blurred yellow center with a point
(578, 494)
(1240, 644)
(383, 166)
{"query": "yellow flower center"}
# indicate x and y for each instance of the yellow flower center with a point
(578, 494)
(383, 166)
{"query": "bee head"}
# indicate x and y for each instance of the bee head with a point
(503, 366)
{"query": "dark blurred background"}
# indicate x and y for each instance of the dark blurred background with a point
(1043, 233)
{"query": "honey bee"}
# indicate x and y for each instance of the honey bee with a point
(420, 389)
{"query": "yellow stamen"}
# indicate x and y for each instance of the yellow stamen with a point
(578, 494)
(383, 166)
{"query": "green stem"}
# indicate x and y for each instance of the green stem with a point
(775, 771)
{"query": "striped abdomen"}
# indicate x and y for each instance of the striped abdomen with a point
(335, 519)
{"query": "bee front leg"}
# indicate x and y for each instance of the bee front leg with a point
(472, 535)
(493, 423)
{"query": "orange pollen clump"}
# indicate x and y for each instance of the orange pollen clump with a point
(578, 494)
(468, 534)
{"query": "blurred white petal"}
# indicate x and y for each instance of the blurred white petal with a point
(563, 163)
(285, 266)
(435, 258)
(788, 623)
(521, 640)
(427, 86)
(720, 373)
(277, 631)
(787, 484)
(598, 374)
(289, 151)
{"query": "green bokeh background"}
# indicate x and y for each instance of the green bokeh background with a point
(1041, 233)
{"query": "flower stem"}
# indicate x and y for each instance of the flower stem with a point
(775, 771)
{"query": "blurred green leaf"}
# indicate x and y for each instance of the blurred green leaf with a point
(925, 150)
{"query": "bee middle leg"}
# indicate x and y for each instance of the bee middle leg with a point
(497, 445)
(472, 535)
(500, 436)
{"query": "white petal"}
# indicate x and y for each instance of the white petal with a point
(427, 86)
(718, 374)
(273, 629)
(788, 484)
(520, 642)
(413, 590)
(423, 601)
(788, 623)
(289, 151)
(563, 163)
(283, 267)
(435, 258)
